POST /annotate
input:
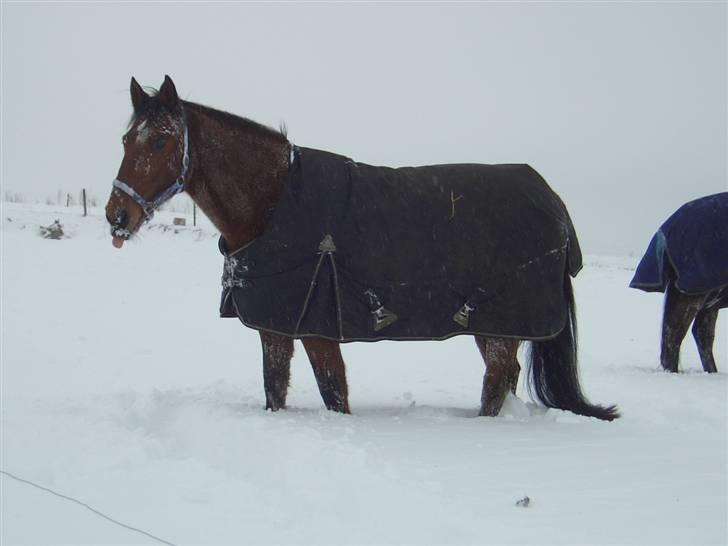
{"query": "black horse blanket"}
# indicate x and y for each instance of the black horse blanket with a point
(691, 247)
(354, 252)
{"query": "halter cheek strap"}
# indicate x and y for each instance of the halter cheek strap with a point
(178, 186)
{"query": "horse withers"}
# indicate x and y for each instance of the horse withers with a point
(687, 259)
(327, 250)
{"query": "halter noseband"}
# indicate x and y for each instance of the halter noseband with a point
(148, 207)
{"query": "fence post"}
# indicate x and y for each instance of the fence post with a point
(83, 193)
(194, 214)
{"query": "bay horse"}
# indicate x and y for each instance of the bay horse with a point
(256, 188)
(687, 259)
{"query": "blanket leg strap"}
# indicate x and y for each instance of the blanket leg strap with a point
(326, 249)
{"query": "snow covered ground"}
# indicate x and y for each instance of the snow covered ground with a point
(122, 388)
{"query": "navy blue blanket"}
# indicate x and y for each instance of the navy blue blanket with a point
(691, 247)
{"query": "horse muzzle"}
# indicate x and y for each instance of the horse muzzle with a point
(118, 224)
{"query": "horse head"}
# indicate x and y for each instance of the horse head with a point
(155, 160)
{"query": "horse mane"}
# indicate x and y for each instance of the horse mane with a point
(237, 121)
(155, 108)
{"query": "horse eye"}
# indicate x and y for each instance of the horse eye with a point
(159, 143)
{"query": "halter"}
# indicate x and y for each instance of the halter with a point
(148, 207)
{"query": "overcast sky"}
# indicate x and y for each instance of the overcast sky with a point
(620, 106)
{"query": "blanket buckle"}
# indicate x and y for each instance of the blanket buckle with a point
(462, 316)
(229, 277)
(382, 317)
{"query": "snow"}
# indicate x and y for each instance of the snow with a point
(122, 388)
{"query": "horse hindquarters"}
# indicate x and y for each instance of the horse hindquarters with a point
(554, 372)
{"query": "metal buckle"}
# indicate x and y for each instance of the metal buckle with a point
(382, 317)
(229, 278)
(462, 317)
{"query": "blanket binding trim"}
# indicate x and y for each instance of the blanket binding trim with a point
(389, 338)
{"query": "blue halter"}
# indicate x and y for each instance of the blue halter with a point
(148, 207)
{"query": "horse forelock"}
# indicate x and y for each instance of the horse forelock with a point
(155, 119)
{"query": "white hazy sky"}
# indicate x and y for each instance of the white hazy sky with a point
(621, 106)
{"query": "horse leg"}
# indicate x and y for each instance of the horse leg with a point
(328, 367)
(704, 334)
(514, 372)
(680, 310)
(277, 353)
(501, 372)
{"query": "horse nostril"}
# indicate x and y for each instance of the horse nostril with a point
(121, 218)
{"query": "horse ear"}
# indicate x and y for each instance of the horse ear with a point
(168, 94)
(139, 98)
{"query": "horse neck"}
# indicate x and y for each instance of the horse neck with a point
(237, 172)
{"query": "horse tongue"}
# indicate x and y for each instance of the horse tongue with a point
(118, 242)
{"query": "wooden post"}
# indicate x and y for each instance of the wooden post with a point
(194, 214)
(83, 193)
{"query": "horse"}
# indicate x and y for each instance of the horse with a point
(687, 259)
(326, 250)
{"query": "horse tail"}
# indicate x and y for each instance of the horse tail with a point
(553, 363)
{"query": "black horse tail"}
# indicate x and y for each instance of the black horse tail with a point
(553, 364)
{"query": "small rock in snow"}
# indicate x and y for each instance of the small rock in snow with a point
(524, 502)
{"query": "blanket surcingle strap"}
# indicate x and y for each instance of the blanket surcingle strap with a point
(354, 252)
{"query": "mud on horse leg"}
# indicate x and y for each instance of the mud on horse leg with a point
(704, 334)
(328, 367)
(680, 310)
(277, 353)
(501, 372)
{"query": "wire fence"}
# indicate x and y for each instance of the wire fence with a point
(87, 507)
